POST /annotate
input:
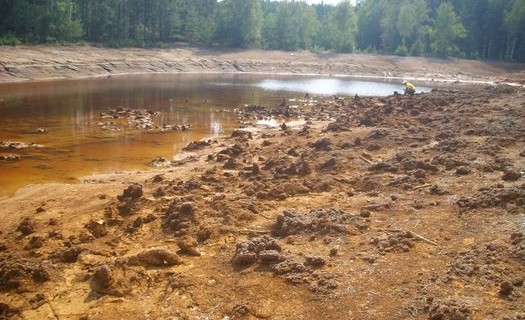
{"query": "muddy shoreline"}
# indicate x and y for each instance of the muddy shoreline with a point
(44, 63)
(375, 208)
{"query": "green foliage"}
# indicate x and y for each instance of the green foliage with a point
(401, 50)
(369, 15)
(446, 30)
(417, 48)
(493, 29)
(345, 21)
(412, 17)
(9, 40)
(390, 36)
(515, 19)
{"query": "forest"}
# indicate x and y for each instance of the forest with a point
(474, 29)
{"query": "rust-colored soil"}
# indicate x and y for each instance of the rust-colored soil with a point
(393, 208)
(376, 208)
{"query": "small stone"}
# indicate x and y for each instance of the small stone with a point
(70, 255)
(365, 214)
(36, 241)
(102, 279)
(158, 258)
(315, 262)
(463, 170)
(26, 227)
(188, 245)
(134, 191)
(506, 288)
(511, 175)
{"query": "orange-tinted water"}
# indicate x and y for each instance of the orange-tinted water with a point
(75, 146)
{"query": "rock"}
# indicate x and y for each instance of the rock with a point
(41, 274)
(188, 245)
(271, 256)
(97, 228)
(323, 144)
(196, 145)
(134, 191)
(506, 288)
(26, 227)
(329, 163)
(160, 162)
(180, 218)
(289, 266)
(365, 213)
(399, 241)
(102, 279)
(158, 258)
(244, 258)
(36, 241)
(6, 312)
(518, 282)
(369, 258)
(230, 164)
(16, 145)
(222, 157)
(248, 252)
(315, 262)
(159, 192)
(303, 168)
(187, 208)
(463, 170)
(9, 157)
(449, 310)
(150, 218)
(373, 147)
(437, 190)
(318, 221)
(70, 255)
(493, 197)
(158, 178)
(203, 234)
(516, 237)
(37, 301)
(243, 134)
(125, 209)
(511, 175)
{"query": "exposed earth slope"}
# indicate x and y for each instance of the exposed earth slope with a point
(25, 63)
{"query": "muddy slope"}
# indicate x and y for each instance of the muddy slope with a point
(391, 208)
(44, 63)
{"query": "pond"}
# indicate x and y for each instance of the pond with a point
(67, 137)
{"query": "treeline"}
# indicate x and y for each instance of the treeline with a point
(487, 29)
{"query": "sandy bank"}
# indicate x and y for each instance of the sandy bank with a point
(37, 63)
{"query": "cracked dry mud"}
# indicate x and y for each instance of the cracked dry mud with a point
(377, 208)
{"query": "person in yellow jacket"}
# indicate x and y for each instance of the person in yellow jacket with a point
(410, 89)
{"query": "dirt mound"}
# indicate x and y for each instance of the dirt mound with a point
(494, 197)
(317, 221)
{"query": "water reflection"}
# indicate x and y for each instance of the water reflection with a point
(334, 86)
(75, 145)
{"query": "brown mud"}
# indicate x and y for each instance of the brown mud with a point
(375, 208)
